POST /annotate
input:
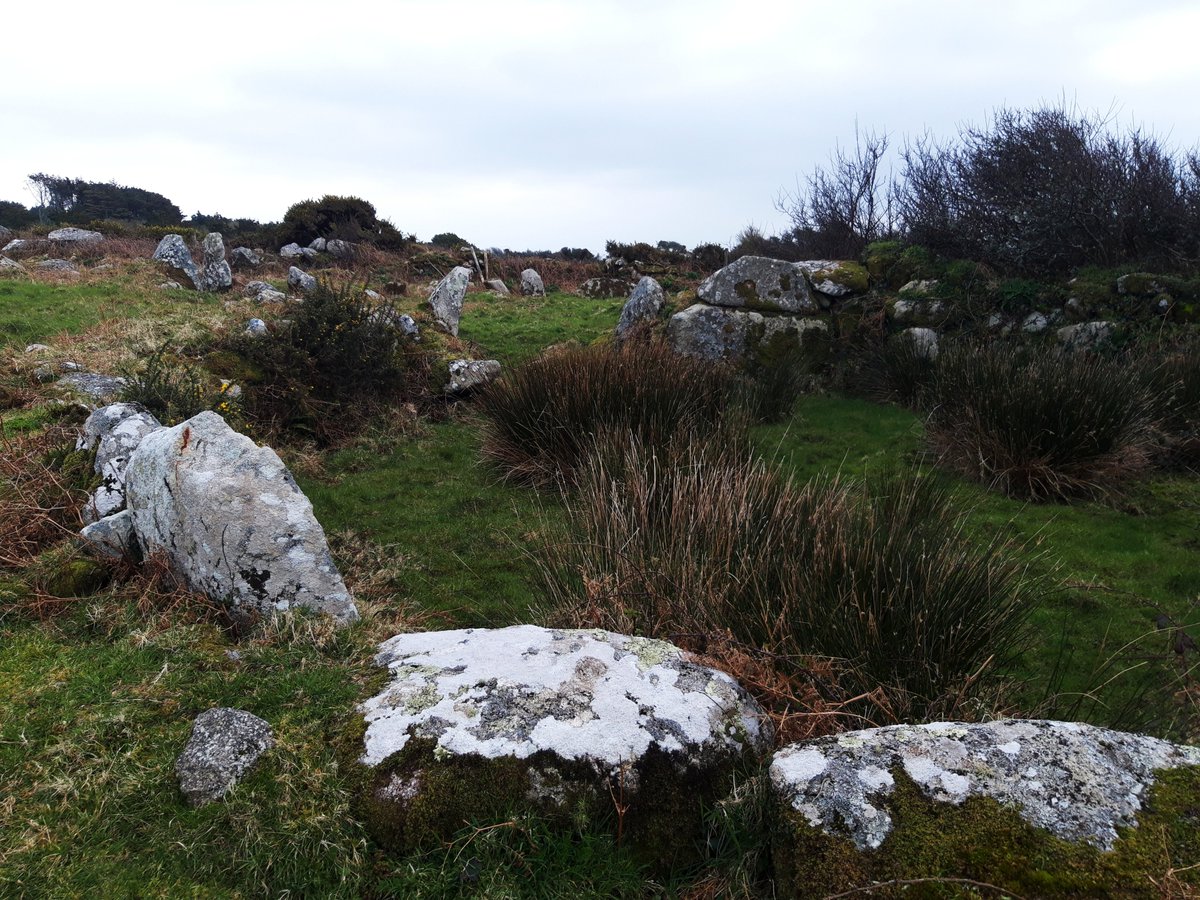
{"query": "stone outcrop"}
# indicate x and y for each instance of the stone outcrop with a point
(299, 280)
(644, 304)
(531, 284)
(761, 284)
(551, 719)
(722, 333)
(74, 236)
(231, 520)
(446, 301)
(223, 747)
(846, 805)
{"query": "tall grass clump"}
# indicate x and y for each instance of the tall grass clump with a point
(896, 371)
(1043, 425)
(541, 420)
(1172, 367)
(878, 580)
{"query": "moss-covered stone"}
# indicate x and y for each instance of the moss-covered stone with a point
(840, 278)
(986, 842)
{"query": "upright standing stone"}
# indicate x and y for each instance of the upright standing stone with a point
(447, 298)
(174, 254)
(643, 305)
(531, 284)
(215, 276)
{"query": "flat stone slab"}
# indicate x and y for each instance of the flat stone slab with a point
(756, 282)
(224, 745)
(1079, 782)
(582, 695)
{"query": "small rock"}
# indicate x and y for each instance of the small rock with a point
(242, 258)
(1085, 335)
(224, 746)
(254, 288)
(339, 249)
(604, 288)
(373, 296)
(924, 341)
(299, 280)
(112, 536)
(468, 374)
(170, 286)
(101, 388)
(317, 245)
(1035, 323)
(13, 245)
(531, 284)
(36, 348)
(498, 286)
(256, 328)
(919, 288)
(308, 254)
(10, 265)
(290, 251)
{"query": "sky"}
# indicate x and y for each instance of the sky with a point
(528, 124)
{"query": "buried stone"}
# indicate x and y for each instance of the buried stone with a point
(481, 722)
(223, 747)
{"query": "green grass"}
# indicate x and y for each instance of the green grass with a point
(38, 311)
(464, 537)
(513, 329)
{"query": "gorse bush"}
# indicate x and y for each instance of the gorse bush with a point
(173, 389)
(693, 544)
(543, 417)
(325, 370)
(1040, 424)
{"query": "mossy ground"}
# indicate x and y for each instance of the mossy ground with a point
(96, 703)
(935, 848)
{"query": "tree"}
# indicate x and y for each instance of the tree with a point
(347, 218)
(89, 201)
(15, 215)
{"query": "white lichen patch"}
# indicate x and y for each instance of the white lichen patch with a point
(1079, 782)
(592, 696)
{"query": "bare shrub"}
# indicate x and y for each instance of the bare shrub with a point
(833, 598)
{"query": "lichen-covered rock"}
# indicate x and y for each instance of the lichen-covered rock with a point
(722, 333)
(256, 328)
(174, 254)
(644, 304)
(317, 244)
(497, 285)
(924, 341)
(10, 266)
(74, 236)
(243, 258)
(1085, 335)
(224, 745)
(231, 520)
(919, 288)
(468, 374)
(113, 432)
(531, 284)
(1035, 323)
(922, 313)
(93, 386)
(554, 720)
(111, 536)
(1139, 284)
(972, 800)
(14, 245)
(291, 251)
(299, 280)
(835, 278)
(758, 283)
(603, 288)
(339, 249)
(215, 275)
(446, 301)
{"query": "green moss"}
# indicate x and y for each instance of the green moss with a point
(850, 275)
(420, 798)
(62, 572)
(984, 841)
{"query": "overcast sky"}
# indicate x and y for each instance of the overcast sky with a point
(527, 124)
